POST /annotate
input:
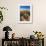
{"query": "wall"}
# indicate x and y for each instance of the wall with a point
(25, 30)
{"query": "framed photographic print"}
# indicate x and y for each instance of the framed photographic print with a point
(25, 13)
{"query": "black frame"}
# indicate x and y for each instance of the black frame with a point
(29, 41)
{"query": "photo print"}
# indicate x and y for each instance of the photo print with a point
(24, 13)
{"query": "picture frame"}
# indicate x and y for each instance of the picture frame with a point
(25, 13)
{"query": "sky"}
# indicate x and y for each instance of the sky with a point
(24, 7)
